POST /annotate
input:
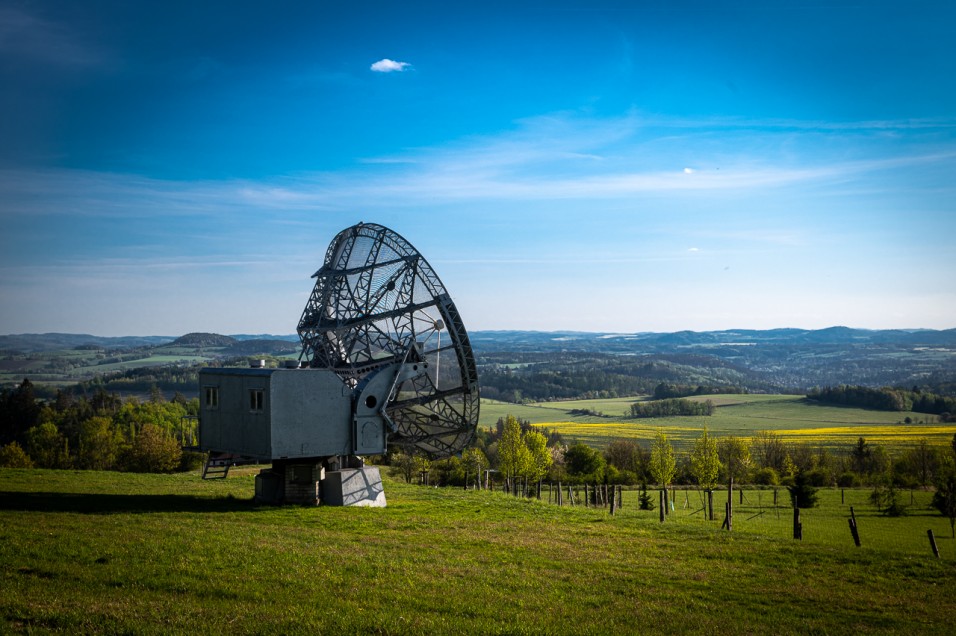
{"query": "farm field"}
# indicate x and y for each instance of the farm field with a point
(120, 553)
(62, 368)
(792, 417)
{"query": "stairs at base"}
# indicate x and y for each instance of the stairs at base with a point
(217, 465)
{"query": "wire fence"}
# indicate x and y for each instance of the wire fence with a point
(841, 519)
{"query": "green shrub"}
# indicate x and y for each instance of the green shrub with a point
(13, 456)
(848, 480)
(819, 477)
(766, 477)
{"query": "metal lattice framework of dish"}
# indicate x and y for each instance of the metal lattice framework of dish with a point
(377, 302)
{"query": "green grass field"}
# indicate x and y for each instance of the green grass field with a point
(92, 552)
(792, 417)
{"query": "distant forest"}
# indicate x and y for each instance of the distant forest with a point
(519, 367)
(888, 399)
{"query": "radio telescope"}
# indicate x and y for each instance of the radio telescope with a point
(385, 360)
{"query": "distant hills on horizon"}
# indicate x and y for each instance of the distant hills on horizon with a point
(524, 339)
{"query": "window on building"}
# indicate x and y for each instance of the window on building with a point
(256, 399)
(212, 397)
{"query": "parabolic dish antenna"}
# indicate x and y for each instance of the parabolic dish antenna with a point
(377, 302)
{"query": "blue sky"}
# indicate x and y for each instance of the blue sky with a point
(594, 166)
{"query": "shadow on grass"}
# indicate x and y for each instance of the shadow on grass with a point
(103, 504)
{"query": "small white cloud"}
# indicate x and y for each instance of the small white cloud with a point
(388, 66)
(688, 171)
(694, 249)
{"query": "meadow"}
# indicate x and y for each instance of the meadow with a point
(792, 417)
(97, 552)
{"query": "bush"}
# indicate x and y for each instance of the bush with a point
(819, 477)
(886, 497)
(766, 477)
(13, 456)
(153, 451)
(848, 480)
(191, 460)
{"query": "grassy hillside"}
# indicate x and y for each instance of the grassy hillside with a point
(793, 417)
(110, 553)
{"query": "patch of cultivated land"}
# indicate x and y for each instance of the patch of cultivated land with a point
(90, 552)
(792, 417)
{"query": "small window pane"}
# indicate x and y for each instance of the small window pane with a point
(212, 397)
(255, 399)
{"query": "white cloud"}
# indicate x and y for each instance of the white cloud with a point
(688, 171)
(388, 66)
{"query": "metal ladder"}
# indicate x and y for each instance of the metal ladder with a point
(217, 465)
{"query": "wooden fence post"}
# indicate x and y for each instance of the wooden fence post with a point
(932, 542)
(613, 502)
(662, 506)
(854, 532)
(797, 526)
(586, 495)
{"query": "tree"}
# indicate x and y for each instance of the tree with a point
(734, 453)
(539, 456)
(624, 454)
(423, 466)
(583, 461)
(48, 447)
(474, 462)
(513, 455)
(663, 464)
(153, 451)
(802, 493)
(99, 444)
(403, 464)
(769, 450)
(921, 462)
(886, 498)
(704, 461)
(19, 412)
(13, 456)
(860, 456)
(449, 471)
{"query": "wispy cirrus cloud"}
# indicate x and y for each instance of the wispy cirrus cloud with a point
(550, 158)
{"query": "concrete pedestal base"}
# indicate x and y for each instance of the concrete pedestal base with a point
(353, 487)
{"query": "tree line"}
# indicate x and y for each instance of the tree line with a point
(666, 390)
(539, 377)
(99, 432)
(670, 407)
(521, 455)
(887, 399)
